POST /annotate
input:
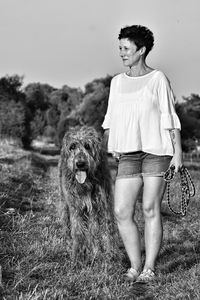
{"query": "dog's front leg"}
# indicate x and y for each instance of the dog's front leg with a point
(64, 214)
(79, 241)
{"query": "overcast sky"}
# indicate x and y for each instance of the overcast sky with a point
(75, 41)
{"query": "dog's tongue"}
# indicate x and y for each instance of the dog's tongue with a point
(81, 176)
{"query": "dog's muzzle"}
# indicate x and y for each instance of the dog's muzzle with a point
(81, 167)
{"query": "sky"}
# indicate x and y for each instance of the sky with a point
(72, 42)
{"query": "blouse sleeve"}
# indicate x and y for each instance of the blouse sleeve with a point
(169, 118)
(107, 118)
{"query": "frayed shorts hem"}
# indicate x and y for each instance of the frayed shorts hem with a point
(141, 175)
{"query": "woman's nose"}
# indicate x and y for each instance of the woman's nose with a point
(121, 53)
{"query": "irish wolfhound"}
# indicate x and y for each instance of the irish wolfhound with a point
(86, 204)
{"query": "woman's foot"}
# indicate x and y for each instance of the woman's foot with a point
(146, 276)
(131, 274)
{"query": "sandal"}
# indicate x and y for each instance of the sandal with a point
(131, 274)
(146, 276)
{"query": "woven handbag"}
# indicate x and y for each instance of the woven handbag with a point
(187, 188)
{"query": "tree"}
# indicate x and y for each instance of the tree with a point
(12, 107)
(96, 83)
(66, 99)
(11, 88)
(189, 114)
(91, 110)
(37, 103)
(37, 96)
(63, 102)
(192, 105)
(12, 116)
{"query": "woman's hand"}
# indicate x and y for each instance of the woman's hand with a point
(116, 155)
(177, 161)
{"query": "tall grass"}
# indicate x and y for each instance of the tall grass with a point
(35, 256)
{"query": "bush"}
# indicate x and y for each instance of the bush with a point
(50, 132)
(53, 116)
(12, 116)
(91, 110)
(37, 124)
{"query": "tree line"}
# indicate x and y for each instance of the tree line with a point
(42, 110)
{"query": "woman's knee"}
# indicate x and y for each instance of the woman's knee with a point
(123, 213)
(151, 210)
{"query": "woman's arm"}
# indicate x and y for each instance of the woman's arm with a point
(105, 138)
(169, 119)
(177, 159)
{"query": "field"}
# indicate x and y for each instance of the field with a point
(35, 256)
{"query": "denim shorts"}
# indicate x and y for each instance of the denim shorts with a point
(139, 164)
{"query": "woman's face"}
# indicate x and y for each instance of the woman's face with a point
(129, 53)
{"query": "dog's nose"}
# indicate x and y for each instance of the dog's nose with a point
(80, 164)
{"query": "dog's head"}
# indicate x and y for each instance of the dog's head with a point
(82, 151)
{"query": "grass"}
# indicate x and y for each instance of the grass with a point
(35, 256)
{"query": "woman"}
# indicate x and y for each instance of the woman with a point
(143, 132)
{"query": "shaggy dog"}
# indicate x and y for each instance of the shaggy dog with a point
(86, 204)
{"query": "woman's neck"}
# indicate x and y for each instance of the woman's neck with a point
(139, 70)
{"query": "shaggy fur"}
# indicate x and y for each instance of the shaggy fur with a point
(86, 204)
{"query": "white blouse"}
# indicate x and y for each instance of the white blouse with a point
(140, 113)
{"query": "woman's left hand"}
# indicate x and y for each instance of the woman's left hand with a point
(177, 161)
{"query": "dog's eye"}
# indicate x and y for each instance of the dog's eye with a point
(87, 146)
(72, 147)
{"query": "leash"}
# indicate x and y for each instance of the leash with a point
(187, 188)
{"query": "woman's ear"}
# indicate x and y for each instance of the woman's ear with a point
(142, 50)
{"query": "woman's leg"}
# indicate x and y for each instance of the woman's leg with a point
(126, 193)
(153, 192)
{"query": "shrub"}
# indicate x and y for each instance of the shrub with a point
(12, 116)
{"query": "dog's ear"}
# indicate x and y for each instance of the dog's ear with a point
(67, 137)
(66, 125)
(63, 152)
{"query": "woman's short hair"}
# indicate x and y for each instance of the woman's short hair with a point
(140, 35)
